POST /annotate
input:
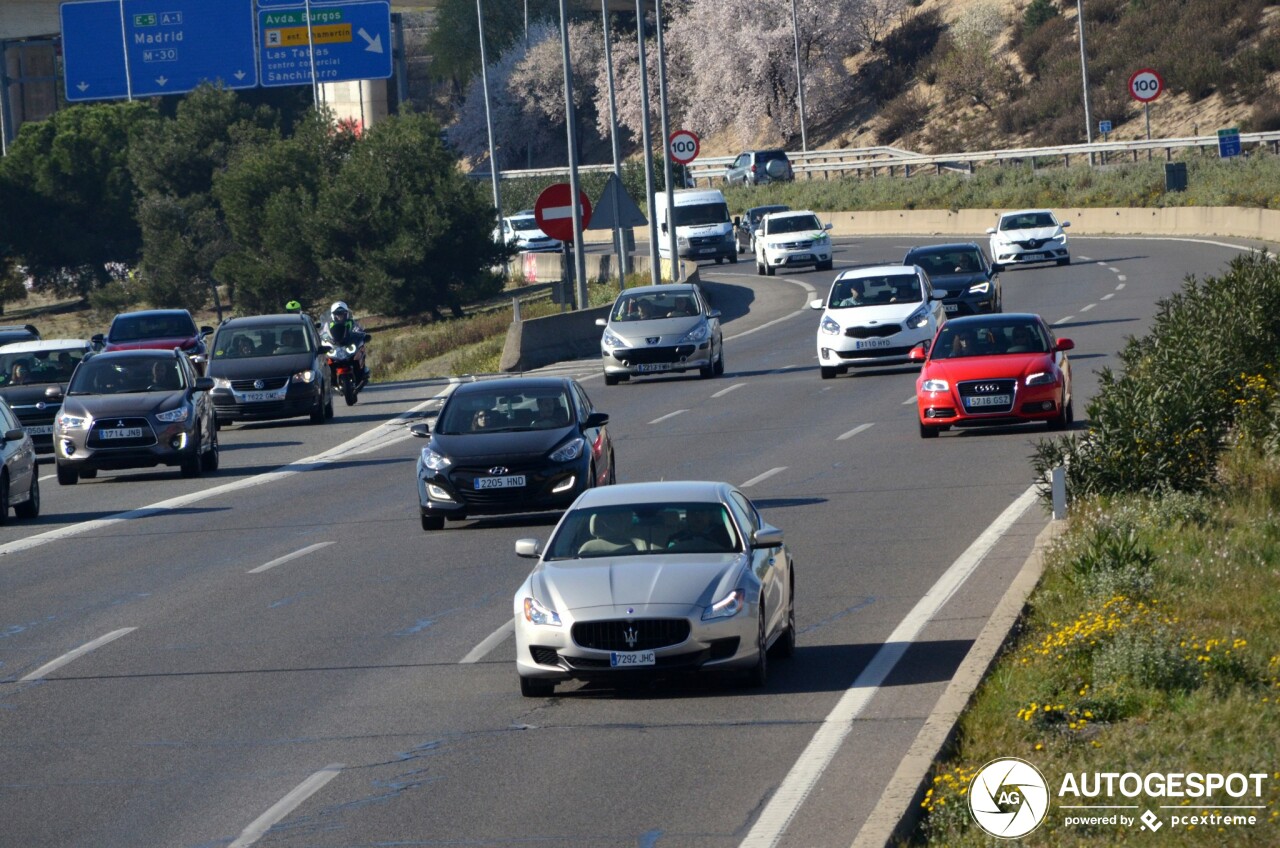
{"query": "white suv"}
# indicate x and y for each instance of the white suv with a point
(1029, 235)
(522, 232)
(790, 239)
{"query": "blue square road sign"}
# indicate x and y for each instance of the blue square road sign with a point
(351, 41)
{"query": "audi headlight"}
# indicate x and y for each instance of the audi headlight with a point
(980, 288)
(569, 451)
(1041, 378)
(727, 607)
(612, 339)
(174, 415)
(829, 326)
(72, 422)
(435, 461)
(304, 376)
(935, 386)
(697, 334)
(536, 613)
(221, 383)
(918, 318)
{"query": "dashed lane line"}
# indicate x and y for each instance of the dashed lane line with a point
(668, 415)
(53, 665)
(855, 431)
(760, 478)
(287, 557)
(286, 805)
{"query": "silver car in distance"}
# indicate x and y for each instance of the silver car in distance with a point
(654, 578)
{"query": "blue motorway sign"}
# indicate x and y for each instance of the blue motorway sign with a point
(1228, 143)
(352, 42)
(119, 48)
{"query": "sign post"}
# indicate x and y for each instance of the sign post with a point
(554, 212)
(1145, 85)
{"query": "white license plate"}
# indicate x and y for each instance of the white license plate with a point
(653, 366)
(628, 659)
(121, 433)
(870, 344)
(989, 400)
(801, 257)
(40, 430)
(1030, 256)
(951, 307)
(511, 481)
(707, 250)
(259, 397)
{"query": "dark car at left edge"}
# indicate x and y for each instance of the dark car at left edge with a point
(269, 367)
(511, 445)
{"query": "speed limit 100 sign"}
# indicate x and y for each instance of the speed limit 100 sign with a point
(1145, 85)
(683, 146)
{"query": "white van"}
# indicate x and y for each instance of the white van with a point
(703, 227)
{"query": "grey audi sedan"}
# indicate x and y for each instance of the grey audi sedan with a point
(135, 409)
(654, 578)
(661, 329)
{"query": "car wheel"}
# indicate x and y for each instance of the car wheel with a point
(613, 469)
(191, 465)
(533, 687)
(828, 373)
(927, 432)
(432, 522)
(785, 647)
(4, 497)
(211, 458)
(328, 405)
(31, 508)
(1063, 420)
(317, 414)
(825, 266)
(88, 473)
(67, 476)
(758, 676)
(733, 258)
(759, 269)
(611, 379)
(1066, 260)
(719, 260)
(707, 371)
(769, 270)
(719, 368)
(593, 476)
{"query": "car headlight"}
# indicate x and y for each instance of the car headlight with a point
(569, 451)
(72, 422)
(682, 241)
(221, 383)
(980, 288)
(697, 334)
(174, 415)
(1041, 378)
(612, 339)
(304, 376)
(435, 461)
(935, 386)
(536, 613)
(829, 326)
(918, 318)
(729, 236)
(1060, 238)
(727, 607)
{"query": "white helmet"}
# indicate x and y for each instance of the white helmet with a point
(339, 306)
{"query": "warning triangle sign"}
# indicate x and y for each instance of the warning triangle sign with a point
(629, 215)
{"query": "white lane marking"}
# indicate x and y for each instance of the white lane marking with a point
(760, 478)
(814, 760)
(855, 431)
(1113, 269)
(384, 435)
(1088, 307)
(1063, 320)
(1101, 263)
(286, 805)
(1087, 258)
(909, 401)
(724, 392)
(47, 477)
(54, 665)
(1120, 286)
(1108, 296)
(1121, 278)
(282, 560)
(490, 642)
(669, 415)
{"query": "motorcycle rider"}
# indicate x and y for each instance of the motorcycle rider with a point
(343, 329)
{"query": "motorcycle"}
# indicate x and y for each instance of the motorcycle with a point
(346, 363)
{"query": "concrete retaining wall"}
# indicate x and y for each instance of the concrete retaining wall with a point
(545, 267)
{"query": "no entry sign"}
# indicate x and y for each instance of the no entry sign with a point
(554, 213)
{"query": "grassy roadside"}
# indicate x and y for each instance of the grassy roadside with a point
(1151, 644)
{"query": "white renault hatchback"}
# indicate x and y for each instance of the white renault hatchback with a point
(1029, 235)
(875, 316)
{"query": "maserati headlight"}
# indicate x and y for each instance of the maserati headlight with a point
(536, 613)
(569, 451)
(174, 415)
(697, 334)
(918, 318)
(829, 326)
(1041, 378)
(435, 461)
(304, 376)
(72, 422)
(935, 386)
(980, 288)
(727, 607)
(612, 339)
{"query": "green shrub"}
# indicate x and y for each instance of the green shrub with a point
(1147, 659)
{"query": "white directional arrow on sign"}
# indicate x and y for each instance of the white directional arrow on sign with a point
(84, 86)
(238, 75)
(374, 42)
(162, 81)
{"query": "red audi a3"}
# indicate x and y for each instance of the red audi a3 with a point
(984, 370)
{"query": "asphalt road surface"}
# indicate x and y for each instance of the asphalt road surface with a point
(276, 654)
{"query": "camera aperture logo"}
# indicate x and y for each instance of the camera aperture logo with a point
(1008, 797)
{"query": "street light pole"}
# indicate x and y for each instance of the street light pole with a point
(655, 262)
(617, 154)
(488, 118)
(571, 123)
(795, 35)
(1084, 73)
(666, 134)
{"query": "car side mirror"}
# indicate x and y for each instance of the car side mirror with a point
(737, 220)
(53, 392)
(817, 304)
(933, 295)
(1065, 344)
(996, 268)
(713, 313)
(916, 354)
(826, 226)
(597, 419)
(1065, 224)
(203, 384)
(602, 322)
(664, 226)
(98, 340)
(991, 231)
(204, 331)
(767, 536)
(528, 548)
(420, 431)
(14, 435)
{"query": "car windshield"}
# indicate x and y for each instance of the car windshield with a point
(32, 368)
(1027, 221)
(116, 376)
(701, 214)
(964, 261)
(524, 225)
(513, 411)
(133, 328)
(792, 224)
(755, 215)
(650, 307)
(261, 340)
(645, 530)
(875, 291)
(990, 338)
